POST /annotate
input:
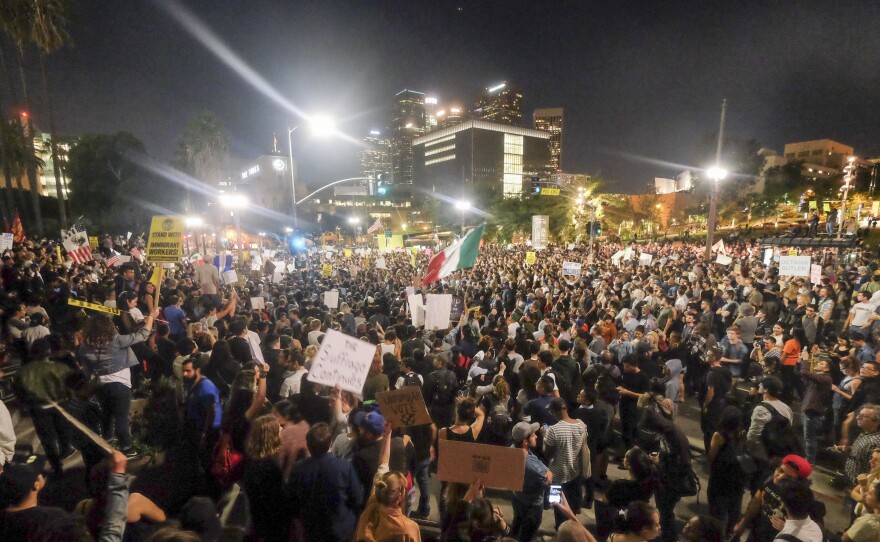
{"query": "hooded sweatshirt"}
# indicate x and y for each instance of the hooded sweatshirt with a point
(673, 383)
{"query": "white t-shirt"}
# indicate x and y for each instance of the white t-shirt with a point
(123, 377)
(511, 330)
(861, 312)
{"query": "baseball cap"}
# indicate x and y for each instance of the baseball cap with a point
(18, 478)
(523, 430)
(799, 464)
(373, 422)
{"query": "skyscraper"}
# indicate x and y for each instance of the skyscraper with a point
(501, 104)
(450, 116)
(407, 122)
(550, 120)
(375, 157)
(430, 114)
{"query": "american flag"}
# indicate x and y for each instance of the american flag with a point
(78, 253)
(112, 260)
(377, 226)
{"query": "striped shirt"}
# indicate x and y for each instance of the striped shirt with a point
(564, 441)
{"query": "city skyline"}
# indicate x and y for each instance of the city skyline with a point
(640, 87)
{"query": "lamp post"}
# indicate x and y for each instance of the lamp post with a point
(320, 126)
(462, 206)
(717, 174)
(195, 222)
(236, 202)
(847, 182)
(354, 221)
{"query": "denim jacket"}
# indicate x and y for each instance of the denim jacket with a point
(114, 356)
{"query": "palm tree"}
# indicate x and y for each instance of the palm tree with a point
(15, 159)
(204, 149)
(16, 22)
(49, 35)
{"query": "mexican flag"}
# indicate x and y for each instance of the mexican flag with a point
(458, 255)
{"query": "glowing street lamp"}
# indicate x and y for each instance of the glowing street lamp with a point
(321, 125)
(462, 206)
(848, 180)
(236, 202)
(717, 174)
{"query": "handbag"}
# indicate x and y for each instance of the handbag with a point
(226, 463)
(747, 463)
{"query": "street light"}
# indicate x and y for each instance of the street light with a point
(236, 202)
(848, 181)
(194, 222)
(462, 206)
(354, 221)
(321, 126)
(717, 174)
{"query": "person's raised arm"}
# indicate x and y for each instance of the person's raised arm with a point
(259, 396)
(566, 510)
(116, 509)
(477, 426)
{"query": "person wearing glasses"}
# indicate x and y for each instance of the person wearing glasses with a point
(858, 459)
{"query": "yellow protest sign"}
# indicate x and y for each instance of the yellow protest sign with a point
(327, 270)
(347, 253)
(530, 258)
(93, 242)
(93, 306)
(165, 243)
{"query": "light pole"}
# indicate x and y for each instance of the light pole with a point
(236, 202)
(462, 206)
(717, 174)
(847, 182)
(354, 221)
(320, 126)
(195, 222)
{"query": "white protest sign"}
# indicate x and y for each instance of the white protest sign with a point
(437, 311)
(628, 253)
(258, 303)
(815, 273)
(342, 361)
(380, 263)
(290, 267)
(257, 260)
(617, 256)
(723, 260)
(417, 309)
(572, 269)
(121, 259)
(795, 266)
(6, 241)
(256, 267)
(230, 276)
(277, 277)
(410, 290)
(570, 246)
(331, 299)
(768, 255)
(663, 261)
(675, 257)
(645, 259)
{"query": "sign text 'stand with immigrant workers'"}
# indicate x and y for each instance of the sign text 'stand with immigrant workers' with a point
(165, 243)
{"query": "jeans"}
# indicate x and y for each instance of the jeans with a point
(422, 473)
(115, 399)
(573, 490)
(526, 520)
(814, 425)
(52, 429)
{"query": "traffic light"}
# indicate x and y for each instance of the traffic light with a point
(597, 228)
(536, 187)
(382, 184)
(381, 188)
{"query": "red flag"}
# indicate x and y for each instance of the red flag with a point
(18, 235)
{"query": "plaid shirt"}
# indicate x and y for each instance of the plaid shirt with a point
(826, 309)
(859, 458)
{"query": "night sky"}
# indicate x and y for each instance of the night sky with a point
(641, 82)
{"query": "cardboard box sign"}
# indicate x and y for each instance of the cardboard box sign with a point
(404, 407)
(497, 466)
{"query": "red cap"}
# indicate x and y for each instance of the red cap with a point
(799, 464)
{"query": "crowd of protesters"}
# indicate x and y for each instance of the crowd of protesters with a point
(578, 372)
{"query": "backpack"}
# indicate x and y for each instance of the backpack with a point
(778, 436)
(446, 388)
(411, 379)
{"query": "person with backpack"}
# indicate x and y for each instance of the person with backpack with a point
(716, 384)
(408, 377)
(439, 391)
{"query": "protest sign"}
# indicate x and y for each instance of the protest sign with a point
(99, 441)
(258, 303)
(768, 255)
(645, 259)
(496, 466)
(815, 273)
(347, 253)
(615, 258)
(277, 277)
(572, 269)
(531, 258)
(723, 260)
(331, 299)
(457, 309)
(416, 309)
(342, 361)
(256, 267)
(380, 263)
(795, 266)
(6, 241)
(404, 407)
(291, 267)
(326, 270)
(410, 290)
(628, 253)
(354, 270)
(437, 310)
(569, 246)
(230, 277)
(165, 242)
(93, 242)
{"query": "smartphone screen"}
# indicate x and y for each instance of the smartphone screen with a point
(555, 494)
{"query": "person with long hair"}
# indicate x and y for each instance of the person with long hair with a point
(263, 481)
(107, 354)
(376, 381)
(640, 485)
(791, 353)
(726, 478)
(639, 523)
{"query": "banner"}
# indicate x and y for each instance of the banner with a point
(571, 269)
(531, 258)
(6, 242)
(457, 309)
(416, 309)
(645, 259)
(540, 231)
(723, 260)
(815, 273)
(795, 266)
(331, 299)
(326, 270)
(438, 307)
(404, 407)
(165, 242)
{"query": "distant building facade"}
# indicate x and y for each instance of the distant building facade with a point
(550, 120)
(375, 157)
(266, 181)
(501, 104)
(476, 155)
(408, 121)
(683, 182)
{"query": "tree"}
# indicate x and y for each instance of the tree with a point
(202, 152)
(15, 159)
(110, 190)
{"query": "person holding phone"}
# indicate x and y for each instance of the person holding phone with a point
(528, 504)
